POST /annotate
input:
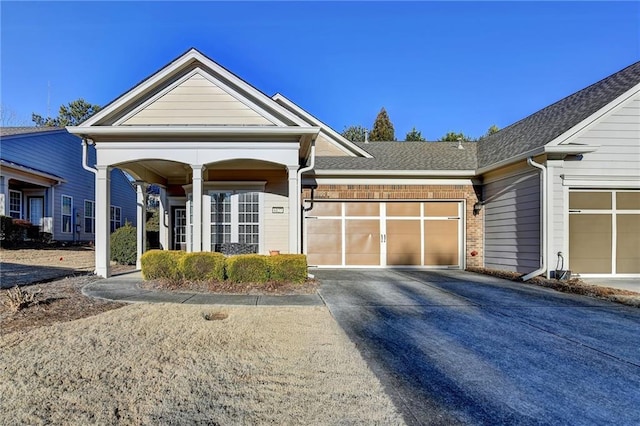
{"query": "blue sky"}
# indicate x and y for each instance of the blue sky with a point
(438, 66)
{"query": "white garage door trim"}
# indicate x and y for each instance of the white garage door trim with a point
(382, 219)
(613, 212)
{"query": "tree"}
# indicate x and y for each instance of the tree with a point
(69, 115)
(454, 137)
(355, 133)
(493, 129)
(414, 136)
(9, 118)
(382, 128)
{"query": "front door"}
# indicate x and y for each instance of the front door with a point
(36, 210)
(179, 227)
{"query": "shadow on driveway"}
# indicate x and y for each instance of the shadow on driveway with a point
(13, 274)
(459, 348)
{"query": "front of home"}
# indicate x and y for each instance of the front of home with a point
(42, 181)
(236, 166)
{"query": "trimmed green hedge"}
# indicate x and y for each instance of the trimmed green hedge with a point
(288, 268)
(161, 264)
(202, 266)
(247, 268)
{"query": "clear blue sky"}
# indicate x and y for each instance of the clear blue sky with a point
(454, 66)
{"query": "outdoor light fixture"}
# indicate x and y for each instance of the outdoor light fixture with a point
(476, 208)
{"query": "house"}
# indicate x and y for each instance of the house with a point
(237, 166)
(42, 180)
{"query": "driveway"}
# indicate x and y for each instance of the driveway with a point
(453, 347)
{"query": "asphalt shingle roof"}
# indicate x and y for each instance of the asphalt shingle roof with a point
(13, 131)
(545, 125)
(406, 156)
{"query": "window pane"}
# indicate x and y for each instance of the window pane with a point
(590, 200)
(628, 201)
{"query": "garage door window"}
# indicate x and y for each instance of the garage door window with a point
(604, 232)
(399, 233)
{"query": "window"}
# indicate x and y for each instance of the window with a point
(235, 218)
(89, 217)
(67, 211)
(15, 204)
(116, 218)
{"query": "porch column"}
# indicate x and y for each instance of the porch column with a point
(4, 196)
(196, 203)
(141, 219)
(294, 209)
(103, 218)
(163, 219)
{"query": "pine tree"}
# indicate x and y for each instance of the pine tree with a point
(355, 133)
(414, 136)
(382, 128)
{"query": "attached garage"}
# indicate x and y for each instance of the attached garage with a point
(604, 232)
(381, 234)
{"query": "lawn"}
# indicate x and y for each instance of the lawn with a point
(176, 364)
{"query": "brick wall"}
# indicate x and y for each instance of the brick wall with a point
(474, 226)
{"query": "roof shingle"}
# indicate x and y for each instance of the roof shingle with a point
(542, 127)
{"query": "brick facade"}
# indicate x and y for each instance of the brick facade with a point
(473, 223)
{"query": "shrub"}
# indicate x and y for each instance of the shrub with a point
(6, 230)
(202, 266)
(247, 268)
(16, 299)
(124, 245)
(161, 264)
(288, 268)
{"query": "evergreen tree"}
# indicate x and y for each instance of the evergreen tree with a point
(355, 133)
(414, 136)
(69, 115)
(454, 137)
(382, 128)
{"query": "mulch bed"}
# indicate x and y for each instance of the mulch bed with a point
(573, 286)
(225, 287)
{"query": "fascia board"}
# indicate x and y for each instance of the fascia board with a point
(169, 69)
(314, 121)
(191, 130)
(415, 173)
(246, 87)
(23, 169)
(579, 128)
(139, 89)
(561, 149)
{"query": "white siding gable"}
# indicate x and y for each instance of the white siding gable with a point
(617, 134)
(197, 101)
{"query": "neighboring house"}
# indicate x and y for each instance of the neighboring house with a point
(42, 180)
(235, 165)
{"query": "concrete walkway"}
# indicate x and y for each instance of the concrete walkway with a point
(632, 284)
(126, 288)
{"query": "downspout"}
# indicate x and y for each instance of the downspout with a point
(85, 166)
(312, 164)
(543, 239)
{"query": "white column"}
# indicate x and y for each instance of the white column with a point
(141, 219)
(103, 217)
(197, 207)
(163, 219)
(4, 196)
(294, 210)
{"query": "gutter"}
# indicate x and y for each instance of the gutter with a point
(543, 240)
(85, 142)
(312, 164)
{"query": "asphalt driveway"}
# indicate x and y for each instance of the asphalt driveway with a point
(453, 347)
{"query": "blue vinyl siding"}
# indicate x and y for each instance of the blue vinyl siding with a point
(60, 153)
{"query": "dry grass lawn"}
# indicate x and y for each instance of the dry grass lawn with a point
(167, 364)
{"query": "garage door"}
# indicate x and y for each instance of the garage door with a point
(361, 234)
(604, 232)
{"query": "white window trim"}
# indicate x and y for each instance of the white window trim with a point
(62, 215)
(9, 204)
(235, 188)
(113, 220)
(93, 218)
